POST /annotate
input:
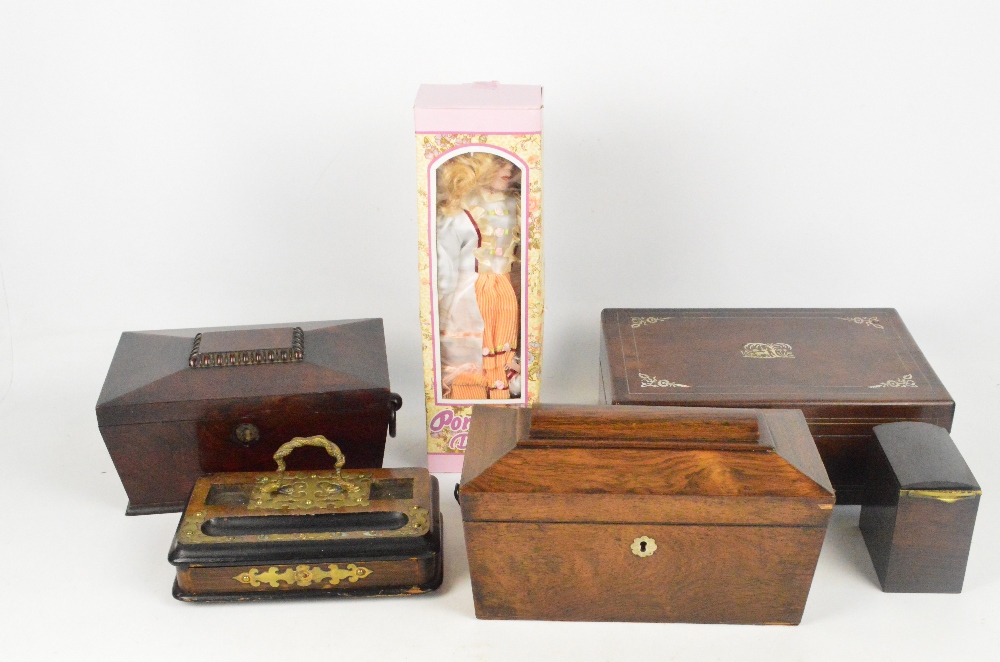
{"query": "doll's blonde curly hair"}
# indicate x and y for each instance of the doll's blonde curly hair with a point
(463, 175)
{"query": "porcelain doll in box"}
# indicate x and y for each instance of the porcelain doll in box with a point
(478, 235)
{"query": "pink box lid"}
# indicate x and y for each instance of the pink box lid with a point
(478, 108)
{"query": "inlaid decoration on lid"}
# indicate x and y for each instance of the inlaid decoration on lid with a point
(769, 350)
(219, 349)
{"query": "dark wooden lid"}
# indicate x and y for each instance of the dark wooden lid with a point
(923, 456)
(151, 369)
(642, 464)
(777, 357)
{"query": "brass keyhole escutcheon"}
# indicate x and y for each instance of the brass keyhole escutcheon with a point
(643, 546)
(246, 434)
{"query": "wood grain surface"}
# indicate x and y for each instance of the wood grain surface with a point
(587, 572)
(549, 522)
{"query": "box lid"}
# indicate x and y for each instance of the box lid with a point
(766, 358)
(175, 374)
(924, 457)
(308, 517)
(478, 108)
(668, 465)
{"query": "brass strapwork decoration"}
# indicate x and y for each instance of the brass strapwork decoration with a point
(947, 496)
(303, 575)
(642, 321)
(224, 359)
(645, 381)
(906, 381)
(765, 350)
(867, 321)
(643, 546)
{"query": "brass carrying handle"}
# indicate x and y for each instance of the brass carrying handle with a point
(299, 442)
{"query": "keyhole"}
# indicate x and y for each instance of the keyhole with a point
(246, 434)
(643, 546)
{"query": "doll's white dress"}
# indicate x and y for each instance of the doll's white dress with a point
(460, 323)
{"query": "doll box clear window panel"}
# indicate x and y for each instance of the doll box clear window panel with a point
(477, 198)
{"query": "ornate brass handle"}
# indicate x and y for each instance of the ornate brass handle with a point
(299, 442)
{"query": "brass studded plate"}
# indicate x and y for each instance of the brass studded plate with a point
(309, 491)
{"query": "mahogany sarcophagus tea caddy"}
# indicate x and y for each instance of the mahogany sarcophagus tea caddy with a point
(179, 404)
(663, 514)
(919, 510)
(283, 534)
(847, 370)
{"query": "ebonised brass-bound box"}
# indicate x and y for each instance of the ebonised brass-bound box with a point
(846, 369)
(662, 514)
(183, 403)
(919, 510)
(259, 535)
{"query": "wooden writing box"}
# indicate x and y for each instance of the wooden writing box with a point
(919, 510)
(182, 403)
(660, 514)
(848, 370)
(258, 535)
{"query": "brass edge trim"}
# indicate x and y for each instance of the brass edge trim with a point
(946, 496)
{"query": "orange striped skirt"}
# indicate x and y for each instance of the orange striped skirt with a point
(498, 306)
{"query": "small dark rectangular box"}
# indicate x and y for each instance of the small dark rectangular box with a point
(919, 510)
(178, 404)
(848, 370)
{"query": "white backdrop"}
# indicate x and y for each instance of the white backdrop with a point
(181, 164)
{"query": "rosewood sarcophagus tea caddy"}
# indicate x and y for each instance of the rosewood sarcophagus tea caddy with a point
(179, 404)
(663, 514)
(848, 370)
(247, 536)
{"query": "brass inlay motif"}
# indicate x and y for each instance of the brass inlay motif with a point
(303, 575)
(867, 321)
(642, 321)
(947, 496)
(906, 381)
(652, 382)
(265, 355)
(764, 350)
(643, 546)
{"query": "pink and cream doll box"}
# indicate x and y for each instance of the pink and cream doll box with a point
(479, 212)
